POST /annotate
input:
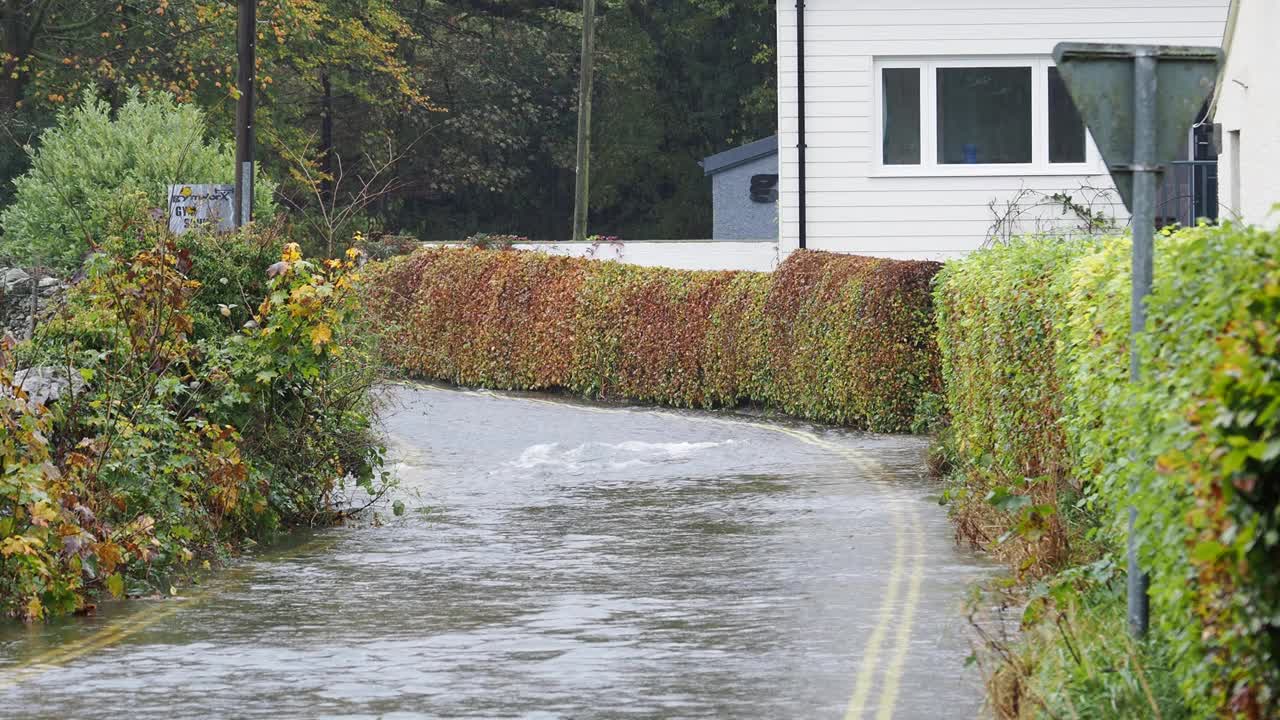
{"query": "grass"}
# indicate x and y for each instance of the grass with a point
(1079, 662)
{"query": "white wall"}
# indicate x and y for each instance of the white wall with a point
(1249, 111)
(683, 254)
(850, 208)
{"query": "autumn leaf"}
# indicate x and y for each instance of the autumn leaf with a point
(109, 554)
(321, 335)
(115, 585)
(42, 514)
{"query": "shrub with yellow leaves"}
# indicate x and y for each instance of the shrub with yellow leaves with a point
(192, 431)
(40, 538)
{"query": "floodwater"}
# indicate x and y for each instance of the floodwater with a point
(560, 560)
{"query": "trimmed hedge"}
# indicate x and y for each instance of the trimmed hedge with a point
(827, 337)
(998, 333)
(1049, 436)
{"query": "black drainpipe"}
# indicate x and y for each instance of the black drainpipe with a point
(800, 112)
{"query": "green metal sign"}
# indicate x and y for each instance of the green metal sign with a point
(1139, 102)
(1101, 80)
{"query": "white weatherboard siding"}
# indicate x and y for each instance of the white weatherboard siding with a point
(1249, 111)
(854, 205)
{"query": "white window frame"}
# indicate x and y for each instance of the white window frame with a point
(929, 165)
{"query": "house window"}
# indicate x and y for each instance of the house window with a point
(989, 115)
(984, 115)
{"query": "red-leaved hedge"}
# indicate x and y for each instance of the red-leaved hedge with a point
(829, 337)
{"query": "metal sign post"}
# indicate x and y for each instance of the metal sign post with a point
(1139, 102)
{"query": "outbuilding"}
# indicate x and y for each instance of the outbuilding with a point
(744, 191)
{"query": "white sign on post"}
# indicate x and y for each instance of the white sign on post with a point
(192, 205)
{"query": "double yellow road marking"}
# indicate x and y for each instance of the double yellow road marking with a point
(902, 640)
(891, 610)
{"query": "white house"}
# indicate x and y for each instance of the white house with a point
(925, 121)
(1248, 110)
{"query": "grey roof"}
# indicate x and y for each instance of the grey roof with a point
(739, 155)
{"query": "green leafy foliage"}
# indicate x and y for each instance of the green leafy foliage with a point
(38, 521)
(94, 159)
(194, 429)
(997, 333)
(1076, 659)
(1192, 446)
(828, 337)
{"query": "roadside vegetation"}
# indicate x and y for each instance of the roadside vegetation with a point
(196, 393)
(828, 337)
(1049, 444)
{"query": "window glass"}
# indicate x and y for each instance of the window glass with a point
(901, 116)
(984, 115)
(1066, 128)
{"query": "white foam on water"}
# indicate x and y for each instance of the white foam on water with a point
(675, 450)
(535, 455)
(614, 456)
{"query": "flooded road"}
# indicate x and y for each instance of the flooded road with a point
(560, 560)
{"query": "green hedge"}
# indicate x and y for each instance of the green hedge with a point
(827, 337)
(1048, 434)
(997, 335)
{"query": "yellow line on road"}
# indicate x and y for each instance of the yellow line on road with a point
(893, 673)
(107, 636)
(867, 664)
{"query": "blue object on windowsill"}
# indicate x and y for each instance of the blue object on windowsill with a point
(971, 154)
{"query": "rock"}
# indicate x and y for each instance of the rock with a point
(22, 296)
(15, 277)
(46, 384)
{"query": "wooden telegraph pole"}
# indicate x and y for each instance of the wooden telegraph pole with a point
(246, 41)
(581, 186)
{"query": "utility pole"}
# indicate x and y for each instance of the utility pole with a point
(581, 185)
(246, 44)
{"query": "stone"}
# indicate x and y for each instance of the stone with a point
(22, 296)
(46, 384)
(15, 276)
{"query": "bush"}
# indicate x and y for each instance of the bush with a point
(1193, 446)
(90, 159)
(998, 332)
(39, 522)
(828, 337)
(182, 443)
